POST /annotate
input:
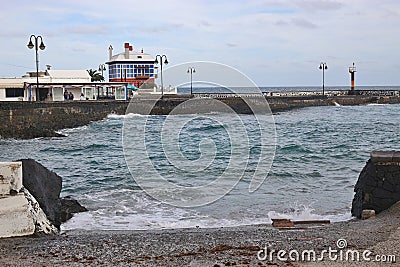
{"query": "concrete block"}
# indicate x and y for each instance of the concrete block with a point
(382, 156)
(20, 213)
(15, 220)
(10, 177)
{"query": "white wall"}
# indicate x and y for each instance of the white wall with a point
(2, 94)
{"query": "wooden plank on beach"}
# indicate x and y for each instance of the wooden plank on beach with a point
(282, 223)
(312, 222)
(290, 223)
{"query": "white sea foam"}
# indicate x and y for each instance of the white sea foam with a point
(119, 117)
(148, 216)
(377, 104)
(69, 131)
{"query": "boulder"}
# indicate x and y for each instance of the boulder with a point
(378, 186)
(69, 207)
(45, 186)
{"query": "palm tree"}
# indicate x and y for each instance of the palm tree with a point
(96, 76)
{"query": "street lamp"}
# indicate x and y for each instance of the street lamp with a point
(160, 57)
(42, 47)
(102, 68)
(323, 67)
(191, 70)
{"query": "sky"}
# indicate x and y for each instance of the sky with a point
(273, 42)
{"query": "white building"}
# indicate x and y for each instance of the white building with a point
(55, 84)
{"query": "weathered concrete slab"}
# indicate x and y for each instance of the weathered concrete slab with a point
(20, 213)
(382, 156)
(10, 177)
(15, 219)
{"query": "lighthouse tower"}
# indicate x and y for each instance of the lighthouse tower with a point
(352, 71)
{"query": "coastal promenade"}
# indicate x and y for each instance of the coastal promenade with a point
(25, 120)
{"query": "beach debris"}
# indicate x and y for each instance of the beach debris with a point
(282, 223)
(366, 214)
(312, 222)
(290, 223)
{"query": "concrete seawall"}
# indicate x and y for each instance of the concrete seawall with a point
(24, 120)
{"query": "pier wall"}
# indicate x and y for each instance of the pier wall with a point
(25, 120)
(378, 186)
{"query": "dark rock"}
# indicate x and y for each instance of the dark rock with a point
(378, 186)
(69, 206)
(45, 186)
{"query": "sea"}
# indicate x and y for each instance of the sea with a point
(319, 153)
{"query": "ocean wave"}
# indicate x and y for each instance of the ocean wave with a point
(100, 220)
(129, 115)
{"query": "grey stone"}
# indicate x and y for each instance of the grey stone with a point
(69, 207)
(378, 186)
(45, 186)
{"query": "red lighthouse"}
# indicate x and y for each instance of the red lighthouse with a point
(352, 71)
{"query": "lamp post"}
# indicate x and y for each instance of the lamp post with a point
(102, 68)
(160, 57)
(191, 70)
(323, 67)
(42, 47)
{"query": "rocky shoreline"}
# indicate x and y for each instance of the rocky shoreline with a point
(236, 246)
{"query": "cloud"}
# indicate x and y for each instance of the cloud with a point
(231, 45)
(273, 33)
(301, 22)
(87, 29)
(319, 5)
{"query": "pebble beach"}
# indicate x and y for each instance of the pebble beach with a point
(232, 246)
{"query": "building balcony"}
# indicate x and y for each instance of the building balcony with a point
(142, 76)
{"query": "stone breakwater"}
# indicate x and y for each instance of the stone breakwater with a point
(25, 120)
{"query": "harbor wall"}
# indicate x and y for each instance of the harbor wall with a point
(25, 120)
